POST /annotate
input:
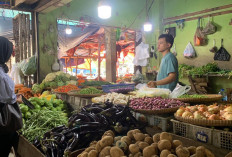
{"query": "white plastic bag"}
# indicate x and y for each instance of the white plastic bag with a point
(180, 90)
(153, 92)
(16, 74)
(173, 50)
(189, 51)
(141, 86)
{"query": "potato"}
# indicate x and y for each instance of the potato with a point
(154, 156)
(131, 155)
(105, 151)
(93, 153)
(89, 149)
(110, 132)
(155, 145)
(171, 155)
(165, 136)
(116, 152)
(192, 150)
(229, 154)
(148, 140)
(182, 152)
(149, 151)
(176, 143)
(194, 155)
(165, 153)
(138, 142)
(139, 136)
(117, 138)
(122, 145)
(208, 153)
(164, 144)
(93, 143)
(147, 135)
(98, 147)
(126, 139)
(84, 154)
(180, 146)
(133, 148)
(200, 151)
(142, 145)
(136, 131)
(138, 154)
(156, 138)
(106, 141)
(130, 134)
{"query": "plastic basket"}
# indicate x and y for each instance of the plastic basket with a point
(118, 88)
(163, 122)
(222, 139)
(198, 133)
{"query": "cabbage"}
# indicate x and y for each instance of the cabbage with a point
(36, 88)
(29, 67)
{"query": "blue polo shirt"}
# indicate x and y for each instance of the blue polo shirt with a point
(168, 65)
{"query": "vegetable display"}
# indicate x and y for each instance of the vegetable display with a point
(86, 126)
(26, 92)
(136, 144)
(42, 121)
(212, 112)
(89, 91)
(192, 96)
(95, 83)
(157, 103)
(115, 98)
(67, 88)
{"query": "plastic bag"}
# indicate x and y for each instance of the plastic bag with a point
(153, 92)
(179, 90)
(173, 50)
(16, 74)
(222, 54)
(29, 66)
(138, 77)
(199, 37)
(189, 51)
(209, 28)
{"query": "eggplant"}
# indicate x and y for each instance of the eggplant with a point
(94, 109)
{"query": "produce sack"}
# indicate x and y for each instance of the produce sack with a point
(189, 51)
(153, 92)
(199, 37)
(222, 54)
(29, 66)
(180, 90)
(209, 28)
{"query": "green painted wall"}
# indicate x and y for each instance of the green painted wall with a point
(180, 7)
(123, 14)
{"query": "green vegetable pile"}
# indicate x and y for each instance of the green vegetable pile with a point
(29, 67)
(90, 90)
(185, 70)
(42, 104)
(192, 96)
(95, 83)
(41, 122)
(53, 80)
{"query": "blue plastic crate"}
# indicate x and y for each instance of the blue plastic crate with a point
(118, 88)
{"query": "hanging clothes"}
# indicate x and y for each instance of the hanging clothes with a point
(141, 54)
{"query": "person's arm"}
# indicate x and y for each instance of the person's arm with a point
(171, 77)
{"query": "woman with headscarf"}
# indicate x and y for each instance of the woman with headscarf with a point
(7, 95)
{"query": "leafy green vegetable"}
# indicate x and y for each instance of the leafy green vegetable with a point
(192, 96)
(90, 90)
(29, 67)
(36, 88)
(95, 83)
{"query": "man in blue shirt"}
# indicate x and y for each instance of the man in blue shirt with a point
(168, 72)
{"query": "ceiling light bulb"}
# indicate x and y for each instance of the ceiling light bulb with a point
(147, 27)
(104, 10)
(68, 30)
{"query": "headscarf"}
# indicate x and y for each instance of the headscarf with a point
(6, 49)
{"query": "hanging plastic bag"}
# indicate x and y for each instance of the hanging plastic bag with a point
(189, 51)
(222, 54)
(29, 66)
(174, 50)
(180, 90)
(209, 28)
(16, 74)
(199, 37)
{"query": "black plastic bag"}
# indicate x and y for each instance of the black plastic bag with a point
(10, 118)
(222, 54)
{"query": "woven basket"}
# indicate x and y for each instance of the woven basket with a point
(210, 98)
(205, 122)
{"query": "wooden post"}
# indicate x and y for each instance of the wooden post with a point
(110, 45)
